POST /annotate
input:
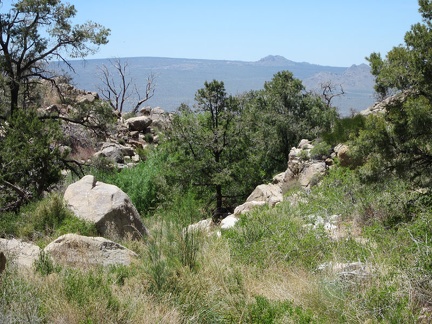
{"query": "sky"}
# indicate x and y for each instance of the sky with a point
(332, 32)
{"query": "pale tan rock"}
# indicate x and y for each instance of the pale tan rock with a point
(21, 253)
(269, 193)
(105, 205)
(80, 251)
(139, 123)
(247, 207)
(311, 173)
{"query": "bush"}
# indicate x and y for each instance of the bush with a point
(31, 161)
(20, 302)
(144, 184)
(320, 150)
(44, 265)
(344, 129)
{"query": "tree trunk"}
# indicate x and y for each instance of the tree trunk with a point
(218, 197)
(14, 91)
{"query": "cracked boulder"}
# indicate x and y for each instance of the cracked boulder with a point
(105, 205)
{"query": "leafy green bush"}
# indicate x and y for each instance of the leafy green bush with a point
(31, 162)
(320, 150)
(144, 184)
(344, 129)
(44, 265)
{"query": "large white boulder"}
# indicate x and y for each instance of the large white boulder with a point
(105, 205)
(79, 251)
(228, 222)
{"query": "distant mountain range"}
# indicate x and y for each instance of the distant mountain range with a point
(177, 80)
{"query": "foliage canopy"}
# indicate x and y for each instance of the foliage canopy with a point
(34, 32)
(399, 141)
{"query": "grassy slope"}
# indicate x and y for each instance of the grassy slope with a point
(262, 271)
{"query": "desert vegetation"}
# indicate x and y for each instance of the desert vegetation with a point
(354, 246)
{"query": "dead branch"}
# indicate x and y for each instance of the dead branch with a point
(117, 86)
(330, 91)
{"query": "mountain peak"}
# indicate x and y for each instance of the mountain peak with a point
(275, 60)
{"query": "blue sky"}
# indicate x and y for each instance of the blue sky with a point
(332, 32)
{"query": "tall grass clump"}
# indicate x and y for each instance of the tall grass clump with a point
(20, 300)
(45, 219)
(265, 237)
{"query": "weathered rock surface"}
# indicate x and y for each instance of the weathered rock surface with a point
(105, 205)
(138, 123)
(20, 253)
(115, 152)
(80, 251)
(247, 207)
(269, 193)
(228, 222)
(204, 225)
(311, 173)
(348, 270)
(342, 152)
(88, 97)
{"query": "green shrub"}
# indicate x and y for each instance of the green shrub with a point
(31, 163)
(44, 265)
(144, 184)
(47, 217)
(72, 224)
(148, 137)
(320, 150)
(344, 129)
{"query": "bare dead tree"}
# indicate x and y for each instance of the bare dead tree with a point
(118, 87)
(330, 91)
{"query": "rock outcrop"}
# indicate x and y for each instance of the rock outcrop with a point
(381, 106)
(138, 124)
(115, 152)
(302, 169)
(247, 207)
(81, 251)
(269, 193)
(20, 253)
(105, 205)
